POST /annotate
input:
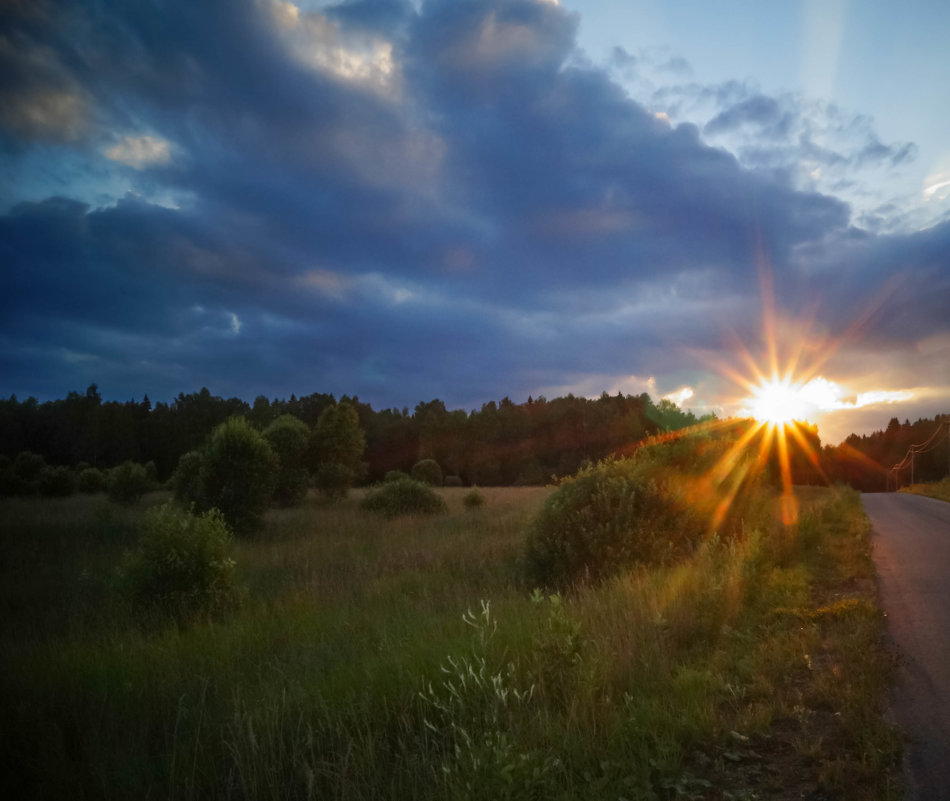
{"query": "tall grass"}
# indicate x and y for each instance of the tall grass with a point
(408, 659)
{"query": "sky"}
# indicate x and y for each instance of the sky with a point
(468, 200)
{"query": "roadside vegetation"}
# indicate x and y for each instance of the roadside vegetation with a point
(340, 653)
(932, 489)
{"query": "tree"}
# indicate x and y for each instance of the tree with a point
(238, 473)
(289, 437)
(336, 450)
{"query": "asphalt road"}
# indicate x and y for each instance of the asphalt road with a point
(911, 546)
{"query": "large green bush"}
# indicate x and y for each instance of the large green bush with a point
(128, 482)
(653, 507)
(428, 472)
(182, 565)
(289, 437)
(403, 497)
(238, 474)
(603, 519)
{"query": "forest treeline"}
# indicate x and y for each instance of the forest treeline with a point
(503, 443)
(865, 462)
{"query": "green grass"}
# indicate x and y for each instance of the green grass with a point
(934, 489)
(407, 658)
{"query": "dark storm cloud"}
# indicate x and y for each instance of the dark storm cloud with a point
(399, 204)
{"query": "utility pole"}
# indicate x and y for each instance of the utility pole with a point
(912, 466)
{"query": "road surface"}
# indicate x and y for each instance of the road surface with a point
(911, 543)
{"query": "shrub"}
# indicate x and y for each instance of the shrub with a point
(128, 482)
(603, 519)
(91, 480)
(182, 564)
(394, 475)
(8, 481)
(473, 499)
(289, 437)
(28, 466)
(238, 473)
(428, 472)
(57, 482)
(23, 476)
(403, 497)
(452, 481)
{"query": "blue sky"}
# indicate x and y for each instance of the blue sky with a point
(467, 200)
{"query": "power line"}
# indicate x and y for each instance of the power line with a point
(926, 446)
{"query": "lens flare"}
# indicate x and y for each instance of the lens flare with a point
(778, 401)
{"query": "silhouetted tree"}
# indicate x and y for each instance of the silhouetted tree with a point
(336, 450)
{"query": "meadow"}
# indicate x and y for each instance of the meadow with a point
(409, 658)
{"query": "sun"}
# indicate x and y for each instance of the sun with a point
(778, 401)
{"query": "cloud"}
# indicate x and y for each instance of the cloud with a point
(41, 100)
(441, 201)
(140, 151)
(759, 110)
(680, 396)
(807, 143)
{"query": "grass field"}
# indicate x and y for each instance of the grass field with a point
(397, 659)
(934, 489)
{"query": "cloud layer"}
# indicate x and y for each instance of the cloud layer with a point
(402, 204)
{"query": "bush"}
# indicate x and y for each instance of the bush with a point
(22, 477)
(394, 475)
(57, 482)
(91, 480)
(452, 481)
(28, 466)
(8, 481)
(403, 497)
(473, 499)
(289, 437)
(428, 472)
(182, 564)
(606, 518)
(238, 474)
(128, 482)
